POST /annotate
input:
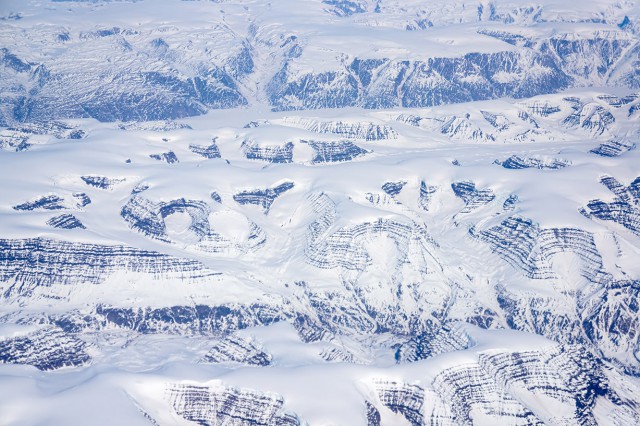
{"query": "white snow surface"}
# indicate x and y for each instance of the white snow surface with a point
(140, 369)
(130, 373)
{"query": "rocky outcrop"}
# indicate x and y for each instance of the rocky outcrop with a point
(426, 193)
(517, 162)
(334, 152)
(434, 342)
(406, 400)
(65, 221)
(150, 218)
(45, 349)
(472, 197)
(209, 151)
(67, 263)
(613, 148)
(529, 248)
(236, 349)
(168, 157)
(262, 197)
(102, 182)
(612, 323)
(45, 202)
(623, 210)
(209, 406)
(554, 384)
(270, 153)
(356, 130)
(590, 117)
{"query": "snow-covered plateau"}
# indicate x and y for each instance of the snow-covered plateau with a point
(319, 212)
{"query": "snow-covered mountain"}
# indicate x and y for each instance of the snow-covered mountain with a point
(319, 212)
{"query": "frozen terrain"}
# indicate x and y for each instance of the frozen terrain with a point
(338, 212)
